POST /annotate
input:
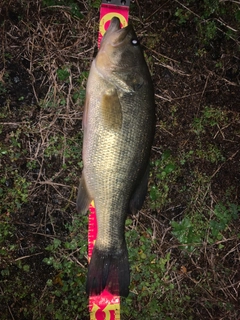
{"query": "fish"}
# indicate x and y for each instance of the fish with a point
(118, 131)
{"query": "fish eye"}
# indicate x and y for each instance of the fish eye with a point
(135, 42)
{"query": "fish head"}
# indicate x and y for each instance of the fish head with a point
(120, 58)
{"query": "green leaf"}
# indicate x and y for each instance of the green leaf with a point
(169, 168)
(63, 74)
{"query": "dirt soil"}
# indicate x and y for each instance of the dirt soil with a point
(45, 54)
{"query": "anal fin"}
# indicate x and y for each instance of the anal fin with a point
(139, 194)
(83, 197)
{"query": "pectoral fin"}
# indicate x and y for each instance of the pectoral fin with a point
(111, 110)
(83, 197)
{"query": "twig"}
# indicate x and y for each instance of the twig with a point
(29, 256)
(14, 123)
(165, 130)
(161, 97)
(238, 2)
(219, 168)
(175, 70)
(227, 26)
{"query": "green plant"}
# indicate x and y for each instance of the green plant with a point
(152, 291)
(68, 5)
(64, 294)
(68, 150)
(51, 101)
(209, 152)
(210, 117)
(13, 186)
(182, 15)
(223, 216)
(189, 232)
(7, 246)
(198, 227)
(3, 89)
(68, 284)
(96, 4)
(165, 171)
(63, 74)
(207, 20)
(208, 30)
(80, 94)
(13, 190)
(237, 15)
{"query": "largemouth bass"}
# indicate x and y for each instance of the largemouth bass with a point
(118, 124)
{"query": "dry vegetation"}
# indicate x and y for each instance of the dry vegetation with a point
(184, 246)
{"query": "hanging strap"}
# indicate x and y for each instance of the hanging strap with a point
(105, 306)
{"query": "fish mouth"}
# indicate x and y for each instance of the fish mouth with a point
(119, 34)
(114, 25)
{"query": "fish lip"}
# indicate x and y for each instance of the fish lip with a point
(115, 27)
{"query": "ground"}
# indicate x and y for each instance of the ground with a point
(184, 243)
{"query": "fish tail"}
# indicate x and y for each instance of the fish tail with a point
(108, 270)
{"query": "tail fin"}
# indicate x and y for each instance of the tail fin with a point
(108, 270)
